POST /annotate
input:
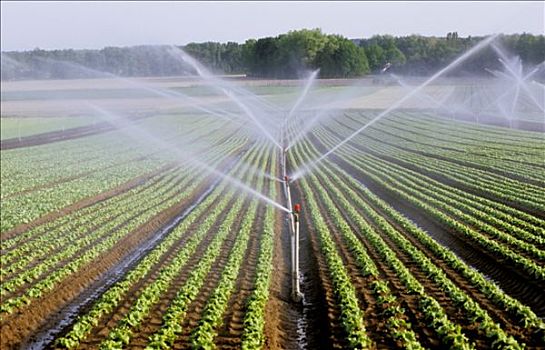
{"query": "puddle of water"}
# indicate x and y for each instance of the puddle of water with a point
(302, 320)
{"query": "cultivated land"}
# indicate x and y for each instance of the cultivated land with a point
(426, 230)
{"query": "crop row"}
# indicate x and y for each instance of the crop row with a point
(96, 156)
(483, 151)
(118, 214)
(430, 206)
(452, 204)
(149, 296)
(508, 190)
(400, 329)
(524, 315)
(71, 227)
(450, 333)
(474, 312)
(115, 233)
(468, 158)
(23, 208)
(211, 317)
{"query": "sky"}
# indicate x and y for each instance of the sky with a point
(56, 25)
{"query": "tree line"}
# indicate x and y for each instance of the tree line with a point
(285, 56)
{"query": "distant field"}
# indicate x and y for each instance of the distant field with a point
(21, 127)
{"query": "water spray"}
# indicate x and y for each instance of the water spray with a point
(224, 88)
(293, 217)
(139, 133)
(305, 168)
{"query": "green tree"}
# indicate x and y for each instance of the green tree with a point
(341, 58)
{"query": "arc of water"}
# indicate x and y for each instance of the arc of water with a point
(166, 93)
(258, 172)
(224, 88)
(303, 95)
(140, 133)
(324, 110)
(496, 101)
(308, 126)
(250, 114)
(516, 76)
(423, 96)
(516, 86)
(515, 100)
(308, 166)
(527, 78)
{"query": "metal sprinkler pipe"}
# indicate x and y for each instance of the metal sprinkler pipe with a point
(293, 217)
(296, 294)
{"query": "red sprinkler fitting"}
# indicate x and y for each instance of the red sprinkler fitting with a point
(286, 178)
(296, 210)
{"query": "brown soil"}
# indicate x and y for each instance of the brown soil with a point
(197, 306)
(153, 321)
(324, 329)
(54, 136)
(497, 313)
(16, 328)
(512, 280)
(21, 328)
(375, 321)
(281, 313)
(58, 135)
(136, 214)
(284, 317)
(229, 334)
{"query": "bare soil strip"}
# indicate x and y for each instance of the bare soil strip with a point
(59, 135)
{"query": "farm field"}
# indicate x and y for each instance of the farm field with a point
(156, 213)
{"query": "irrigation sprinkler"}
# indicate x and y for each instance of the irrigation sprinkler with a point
(287, 192)
(296, 294)
(293, 217)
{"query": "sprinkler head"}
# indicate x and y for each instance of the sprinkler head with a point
(297, 208)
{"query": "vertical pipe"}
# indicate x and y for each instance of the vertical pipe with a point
(293, 226)
(295, 288)
(293, 267)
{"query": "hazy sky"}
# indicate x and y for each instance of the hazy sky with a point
(26, 25)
